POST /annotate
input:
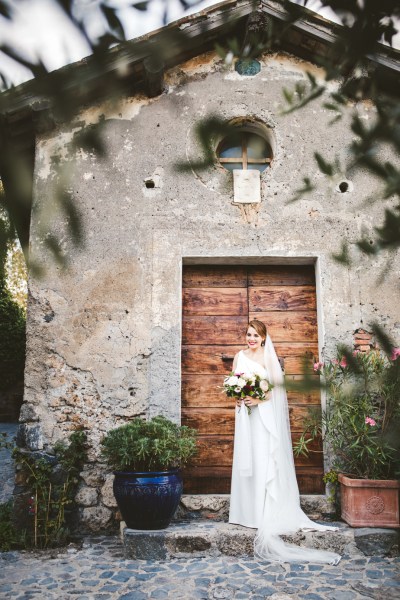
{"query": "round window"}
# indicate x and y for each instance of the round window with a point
(244, 150)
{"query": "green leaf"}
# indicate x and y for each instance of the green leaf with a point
(344, 256)
(142, 6)
(366, 247)
(5, 10)
(331, 106)
(288, 95)
(113, 21)
(220, 51)
(312, 79)
(306, 189)
(324, 167)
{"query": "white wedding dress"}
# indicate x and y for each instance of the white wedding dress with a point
(264, 491)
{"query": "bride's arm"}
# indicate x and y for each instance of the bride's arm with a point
(235, 362)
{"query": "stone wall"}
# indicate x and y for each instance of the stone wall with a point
(104, 337)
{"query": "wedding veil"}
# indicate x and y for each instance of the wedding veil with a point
(282, 512)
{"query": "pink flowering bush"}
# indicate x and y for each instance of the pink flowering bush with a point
(361, 421)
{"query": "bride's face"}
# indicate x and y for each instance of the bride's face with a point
(253, 339)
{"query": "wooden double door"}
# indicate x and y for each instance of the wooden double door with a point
(218, 302)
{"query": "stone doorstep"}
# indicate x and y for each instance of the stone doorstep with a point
(216, 506)
(205, 538)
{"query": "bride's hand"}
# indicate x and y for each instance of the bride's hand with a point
(249, 401)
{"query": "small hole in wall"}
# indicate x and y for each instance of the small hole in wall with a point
(149, 183)
(343, 186)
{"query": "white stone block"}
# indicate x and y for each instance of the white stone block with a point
(246, 186)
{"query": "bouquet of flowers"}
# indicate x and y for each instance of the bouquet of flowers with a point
(240, 385)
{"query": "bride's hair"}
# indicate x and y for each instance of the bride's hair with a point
(259, 327)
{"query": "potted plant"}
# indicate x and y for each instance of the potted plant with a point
(360, 426)
(146, 457)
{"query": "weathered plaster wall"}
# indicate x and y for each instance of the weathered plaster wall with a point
(104, 337)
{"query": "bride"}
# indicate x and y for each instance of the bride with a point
(264, 491)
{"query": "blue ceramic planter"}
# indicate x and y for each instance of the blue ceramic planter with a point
(148, 500)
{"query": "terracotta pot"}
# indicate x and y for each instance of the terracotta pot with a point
(369, 502)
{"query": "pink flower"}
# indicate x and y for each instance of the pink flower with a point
(343, 362)
(318, 366)
(356, 352)
(395, 353)
(335, 362)
(369, 421)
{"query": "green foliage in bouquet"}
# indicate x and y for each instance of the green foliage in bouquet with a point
(155, 445)
(361, 421)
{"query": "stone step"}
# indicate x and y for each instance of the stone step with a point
(204, 538)
(216, 507)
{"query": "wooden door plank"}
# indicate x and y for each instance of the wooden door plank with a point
(298, 415)
(310, 397)
(217, 330)
(290, 326)
(218, 421)
(309, 480)
(315, 458)
(218, 451)
(207, 480)
(204, 390)
(290, 275)
(214, 276)
(213, 450)
(208, 359)
(298, 365)
(216, 485)
(285, 349)
(211, 421)
(290, 298)
(215, 301)
(231, 330)
(203, 480)
(298, 380)
(208, 471)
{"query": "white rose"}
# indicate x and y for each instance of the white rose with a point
(241, 382)
(233, 380)
(264, 385)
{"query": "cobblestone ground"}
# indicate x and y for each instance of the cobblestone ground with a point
(99, 571)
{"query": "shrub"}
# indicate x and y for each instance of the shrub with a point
(10, 538)
(155, 445)
(12, 339)
(52, 485)
(362, 416)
